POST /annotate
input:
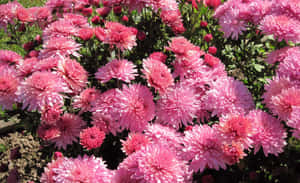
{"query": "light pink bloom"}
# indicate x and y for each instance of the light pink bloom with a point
(203, 146)
(177, 107)
(134, 142)
(283, 53)
(41, 88)
(8, 57)
(269, 133)
(73, 74)
(290, 67)
(85, 99)
(136, 107)
(120, 69)
(228, 95)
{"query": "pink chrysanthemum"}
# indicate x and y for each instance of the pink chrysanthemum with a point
(60, 28)
(136, 107)
(73, 74)
(80, 169)
(8, 12)
(119, 35)
(157, 74)
(288, 7)
(134, 142)
(231, 25)
(282, 27)
(77, 20)
(165, 136)
(282, 104)
(269, 133)
(120, 69)
(47, 64)
(152, 164)
(159, 56)
(177, 107)
(91, 138)
(281, 54)
(8, 57)
(69, 126)
(203, 145)
(9, 83)
(290, 67)
(57, 4)
(275, 87)
(228, 95)
(51, 113)
(85, 99)
(26, 67)
(41, 88)
(105, 112)
(59, 46)
(236, 129)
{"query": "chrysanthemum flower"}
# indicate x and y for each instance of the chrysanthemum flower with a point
(69, 126)
(294, 121)
(134, 142)
(77, 20)
(165, 136)
(47, 64)
(8, 12)
(105, 112)
(157, 74)
(282, 104)
(80, 169)
(282, 27)
(159, 56)
(290, 67)
(236, 129)
(177, 107)
(152, 164)
(51, 113)
(203, 146)
(26, 67)
(91, 138)
(60, 28)
(85, 99)
(8, 57)
(288, 7)
(120, 69)
(119, 35)
(41, 88)
(233, 153)
(73, 74)
(275, 87)
(269, 133)
(59, 46)
(56, 4)
(228, 95)
(281, 54)
(9, 83)
(136, 107)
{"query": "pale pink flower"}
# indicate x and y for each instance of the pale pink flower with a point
(51, 113)
(294, 121)
(69, 126)
(283, 53)
(203, 146)
(26, 67)
(136, 107)
(9, 83)
(157, 74)
(60, 28)
(77, 20)
(120, 69)
(49, 174)
(59, 46)
(282, 27)
(73, 74)
(228, 95)
(91, 138)
(134, 142)
(290, 67)
(269, 133)
(41, 88)
(177, 107)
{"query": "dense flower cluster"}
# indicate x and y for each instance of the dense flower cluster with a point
(159, 100)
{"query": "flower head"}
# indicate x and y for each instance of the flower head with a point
(91, 138)
(134, 142)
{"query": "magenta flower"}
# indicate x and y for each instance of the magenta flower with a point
(134, 142)
(91, 138)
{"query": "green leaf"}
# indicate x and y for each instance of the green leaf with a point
(2, 148)
(258, 67)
